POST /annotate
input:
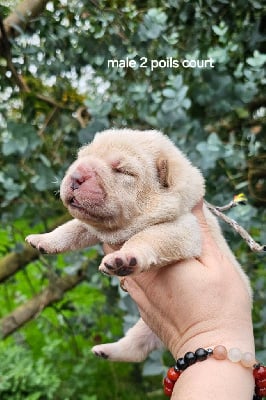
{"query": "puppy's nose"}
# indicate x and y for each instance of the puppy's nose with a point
(76, 180)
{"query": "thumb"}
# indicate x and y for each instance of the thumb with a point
(198, 211)
(209, 245)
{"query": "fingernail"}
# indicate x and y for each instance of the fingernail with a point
(123, 284)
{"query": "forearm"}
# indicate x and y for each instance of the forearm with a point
(70, 236)
(167, 242)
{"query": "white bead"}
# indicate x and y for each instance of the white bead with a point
(234, 355)
(248, 360)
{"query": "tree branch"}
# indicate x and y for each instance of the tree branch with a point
(240, 199)
(15, 261)
(12, 262)
(52, 102)
(31, 309)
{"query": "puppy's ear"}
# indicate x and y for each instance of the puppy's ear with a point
(163, 172)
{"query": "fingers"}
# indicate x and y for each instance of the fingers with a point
(141, 288)
(136, 286)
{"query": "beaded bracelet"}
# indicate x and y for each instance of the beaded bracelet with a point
(219, 353)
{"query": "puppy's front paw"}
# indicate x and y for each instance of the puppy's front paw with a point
(40, 243)
(119, 263)
(97, 350)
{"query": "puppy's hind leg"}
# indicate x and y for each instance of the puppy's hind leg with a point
(134, 347)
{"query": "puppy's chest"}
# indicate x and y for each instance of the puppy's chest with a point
(116, 237)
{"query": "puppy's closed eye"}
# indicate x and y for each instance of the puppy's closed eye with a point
(121, 170)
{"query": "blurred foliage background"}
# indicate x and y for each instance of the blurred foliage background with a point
(57, 91)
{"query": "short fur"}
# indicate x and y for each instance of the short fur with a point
(135, 189)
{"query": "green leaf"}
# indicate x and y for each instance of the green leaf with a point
(176, 81)
(168, 92)
(21, 139)
(169, 105)
(220, 30)
(85, 135)
(44, 178)
(258, 59)
(15, 146)
(154, 23)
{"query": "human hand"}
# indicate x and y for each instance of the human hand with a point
(185, 304)
(199, 303)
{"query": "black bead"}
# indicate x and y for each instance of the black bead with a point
(181, 364)
(201, 354)
(190, 358)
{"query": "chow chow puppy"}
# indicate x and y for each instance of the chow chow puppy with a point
(134, 189)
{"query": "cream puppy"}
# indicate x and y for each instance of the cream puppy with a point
(134, 189)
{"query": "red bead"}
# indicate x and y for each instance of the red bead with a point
(260, 391)
(168, 383)
(261, 383)
(260, 373)
(167, 391)
(173, 374)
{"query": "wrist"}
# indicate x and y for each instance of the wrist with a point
(230, 379)
(214, 380)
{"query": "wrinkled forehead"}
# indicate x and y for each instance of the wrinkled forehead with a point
(115, 154)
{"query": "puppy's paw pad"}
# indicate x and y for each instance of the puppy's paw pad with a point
(42, 250)
(119, 264)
